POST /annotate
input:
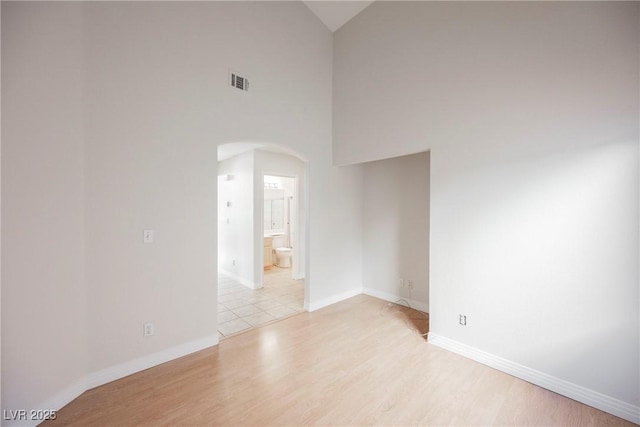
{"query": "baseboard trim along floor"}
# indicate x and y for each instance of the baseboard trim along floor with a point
(581, 394)
(395, 299)
(313, 306)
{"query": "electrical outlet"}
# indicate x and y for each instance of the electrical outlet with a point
(463, 320)
(233, 262)
(410, 284)
(147, 236)
(148, 329)
(402, 283)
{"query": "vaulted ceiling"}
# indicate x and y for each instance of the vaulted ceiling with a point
(336, 13)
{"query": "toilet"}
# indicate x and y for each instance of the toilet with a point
(283, 257)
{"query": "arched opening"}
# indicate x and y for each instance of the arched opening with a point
(262, 235)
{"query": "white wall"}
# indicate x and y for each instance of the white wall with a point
(552, 242)
(396, 229)
(44, 305)
(151, 164)
(530, 111)
(160, 70)
(335, 234)
(235, 223)
(147, 82)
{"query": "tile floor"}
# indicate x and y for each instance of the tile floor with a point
(240, 308)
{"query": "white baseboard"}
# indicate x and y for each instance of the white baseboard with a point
(242, 280)
(113, 373)
(56, 402)
(313, 306)
(367, 291)
(573, 391)
(394, 298)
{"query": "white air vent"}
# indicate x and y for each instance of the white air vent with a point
(239, 82)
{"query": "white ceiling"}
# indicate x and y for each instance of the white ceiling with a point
(336, 13)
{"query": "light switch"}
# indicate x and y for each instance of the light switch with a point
(148, 236)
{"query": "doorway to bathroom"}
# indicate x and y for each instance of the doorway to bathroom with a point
(280, 245)
(261, 236)
(279, 223)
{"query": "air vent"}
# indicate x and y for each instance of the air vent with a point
(239, 82)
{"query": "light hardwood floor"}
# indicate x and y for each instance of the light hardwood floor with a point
(358, 362)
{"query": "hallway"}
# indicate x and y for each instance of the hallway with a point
(240, 308)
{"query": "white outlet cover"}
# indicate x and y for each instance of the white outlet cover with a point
(148, 329)
(147, 236)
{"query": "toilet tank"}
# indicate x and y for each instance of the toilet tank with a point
(278, 241)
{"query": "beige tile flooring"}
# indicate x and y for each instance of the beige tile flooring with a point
(241, 309)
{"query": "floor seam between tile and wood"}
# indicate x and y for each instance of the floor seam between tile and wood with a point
(241, 309)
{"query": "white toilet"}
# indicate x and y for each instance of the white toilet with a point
(283, 257)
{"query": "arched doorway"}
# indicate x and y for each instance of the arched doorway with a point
(261, 269)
